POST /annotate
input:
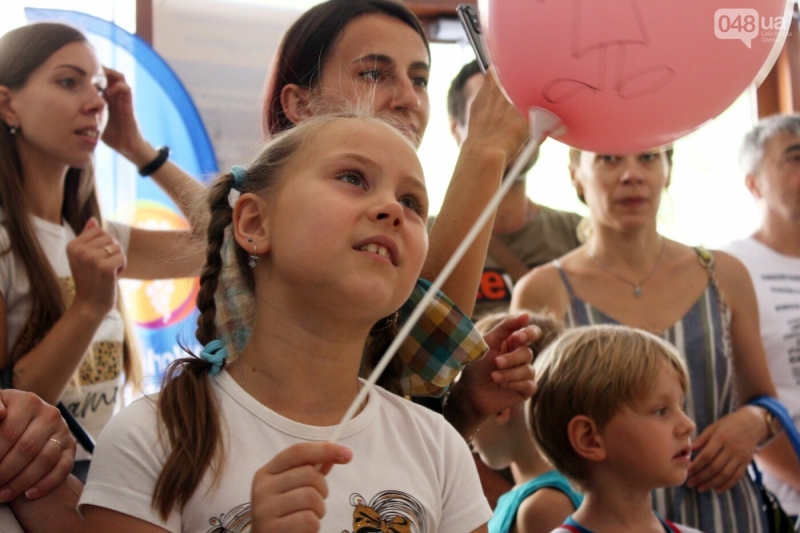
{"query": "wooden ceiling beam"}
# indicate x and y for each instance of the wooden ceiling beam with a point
(432, 9)
(144, 20)
(434, 13)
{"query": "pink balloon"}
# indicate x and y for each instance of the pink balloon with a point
(628, 75)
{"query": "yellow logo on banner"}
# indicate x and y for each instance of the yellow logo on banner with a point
(159, 303)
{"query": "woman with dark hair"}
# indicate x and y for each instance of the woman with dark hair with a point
(303, 60)
(373, 55)
(62, 331)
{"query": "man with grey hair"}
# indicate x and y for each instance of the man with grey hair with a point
(770, 157)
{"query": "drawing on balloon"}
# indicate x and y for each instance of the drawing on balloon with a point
(596, 36)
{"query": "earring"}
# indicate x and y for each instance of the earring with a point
(387, 322)
(252, 261)
(13, 130)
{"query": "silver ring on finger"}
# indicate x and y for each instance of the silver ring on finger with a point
(57, 442)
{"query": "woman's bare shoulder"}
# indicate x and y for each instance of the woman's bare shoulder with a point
(734, 279)
(541, 289)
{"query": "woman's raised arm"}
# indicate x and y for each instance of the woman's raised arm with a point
(156, 254)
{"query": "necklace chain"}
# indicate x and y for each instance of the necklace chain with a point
(637, 285)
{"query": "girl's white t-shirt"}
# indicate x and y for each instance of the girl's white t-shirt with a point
(409, 467)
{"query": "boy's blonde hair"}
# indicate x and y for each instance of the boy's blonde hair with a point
(593, 371)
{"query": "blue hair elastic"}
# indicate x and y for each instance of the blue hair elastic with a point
(238, 172)
(214, 353)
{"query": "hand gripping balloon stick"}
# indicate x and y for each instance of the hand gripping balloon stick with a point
(543, 124)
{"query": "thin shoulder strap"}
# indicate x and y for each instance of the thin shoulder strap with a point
(706, 258)
(504, 257)
(557, 264)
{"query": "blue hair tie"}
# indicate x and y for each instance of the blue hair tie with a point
(214, 353)
(238, 172)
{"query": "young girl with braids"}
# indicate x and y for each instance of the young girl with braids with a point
(61, 332)
(330, 232)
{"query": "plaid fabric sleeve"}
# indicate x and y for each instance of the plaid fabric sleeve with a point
(438, 347)
(235, 301)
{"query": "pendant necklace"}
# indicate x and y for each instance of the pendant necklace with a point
(637, 286)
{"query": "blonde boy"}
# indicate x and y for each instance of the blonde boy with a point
(608, 414)
(541, 498)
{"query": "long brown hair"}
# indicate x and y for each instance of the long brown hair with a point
(306, 45)
(22, 51)
(187, 407)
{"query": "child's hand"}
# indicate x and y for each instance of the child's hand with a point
(725, 449)
(508, 351)
(502, 379)
(289, 492)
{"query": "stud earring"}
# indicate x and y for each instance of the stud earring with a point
(388, 322)
(13, 130)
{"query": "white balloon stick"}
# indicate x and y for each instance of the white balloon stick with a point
(543, 123)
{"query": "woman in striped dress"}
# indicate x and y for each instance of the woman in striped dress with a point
(703, 303)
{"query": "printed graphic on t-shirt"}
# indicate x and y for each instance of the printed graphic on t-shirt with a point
(785, 289)
(104, 360)
(236, 521)
(389, 511)
(495, 286)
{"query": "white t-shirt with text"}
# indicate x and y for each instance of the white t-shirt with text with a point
(776, 278)
(101, 374)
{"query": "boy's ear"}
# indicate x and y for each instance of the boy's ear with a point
(251, 224)
(585, 438)
(295, 103)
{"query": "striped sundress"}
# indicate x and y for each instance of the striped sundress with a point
(702, 336)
